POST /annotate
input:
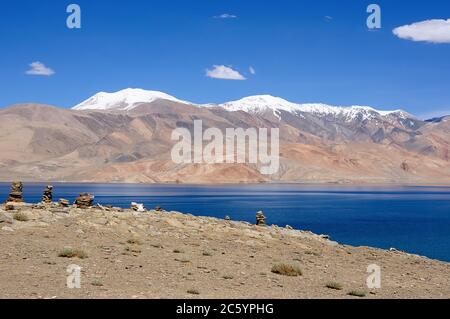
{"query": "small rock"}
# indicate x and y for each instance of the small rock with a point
(9, 207)
(138, 207)
(63, 202)
(7, 228)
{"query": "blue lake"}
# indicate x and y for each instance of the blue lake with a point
(413, 219)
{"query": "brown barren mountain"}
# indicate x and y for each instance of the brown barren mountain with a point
(44, 143)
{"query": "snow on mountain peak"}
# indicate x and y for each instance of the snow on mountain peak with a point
(129, 99)
(124, 100)
(261, 103)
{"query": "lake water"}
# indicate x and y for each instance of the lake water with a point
(413, 219)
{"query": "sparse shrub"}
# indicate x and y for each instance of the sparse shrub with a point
(134, 241)
(21, 217)
(178, 251)
(193, 292)
(313, 253)
(228, 277)
(97, 283)
(287, 270)
(357, 293)
(334, 286)
(133, 250)
(183, 260)
(72, 253)
(207, 253)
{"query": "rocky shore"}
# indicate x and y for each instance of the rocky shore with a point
(135, 253)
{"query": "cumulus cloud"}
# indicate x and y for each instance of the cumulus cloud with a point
(224, 73)
(226, 16)
(39, 68)
(434, 31)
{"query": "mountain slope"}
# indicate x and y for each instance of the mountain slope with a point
(133, 143)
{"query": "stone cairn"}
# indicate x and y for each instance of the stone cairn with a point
(63, 202)
(260, 219)
(16, 194)
(47, 198)
(84, 201)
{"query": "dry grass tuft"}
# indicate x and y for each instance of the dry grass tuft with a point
(72, 253)
(334, 286)
(357, 293)
(21, 217)
(134, 241)
(193, 292)
(287, 270)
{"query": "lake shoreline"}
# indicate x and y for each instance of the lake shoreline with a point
(412, 219)
(317, 184)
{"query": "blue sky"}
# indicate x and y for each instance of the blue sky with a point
(304, 51)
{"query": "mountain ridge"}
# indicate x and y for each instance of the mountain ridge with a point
(129, 99)
(44, 143)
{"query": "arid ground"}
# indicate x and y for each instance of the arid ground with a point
(125, 254)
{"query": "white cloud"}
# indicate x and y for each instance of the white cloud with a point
(435, 31)
(224, 73)
(226, 16)
(252, 70)
(38, 68)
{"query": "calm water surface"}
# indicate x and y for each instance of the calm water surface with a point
(414, 219)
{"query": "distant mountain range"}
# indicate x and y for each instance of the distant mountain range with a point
(126, 137)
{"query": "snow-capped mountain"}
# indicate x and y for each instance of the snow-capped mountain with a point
(129, 99)
(319, 143)
(124, 100)
(263, 103)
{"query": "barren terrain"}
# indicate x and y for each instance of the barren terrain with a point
(42, 143)
(126, 254)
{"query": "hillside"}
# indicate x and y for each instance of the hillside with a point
(125, 254)
(131, 142)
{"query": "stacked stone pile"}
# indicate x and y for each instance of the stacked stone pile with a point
(47, 198)
(84, 201)
(16, 194)
(260, 219)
